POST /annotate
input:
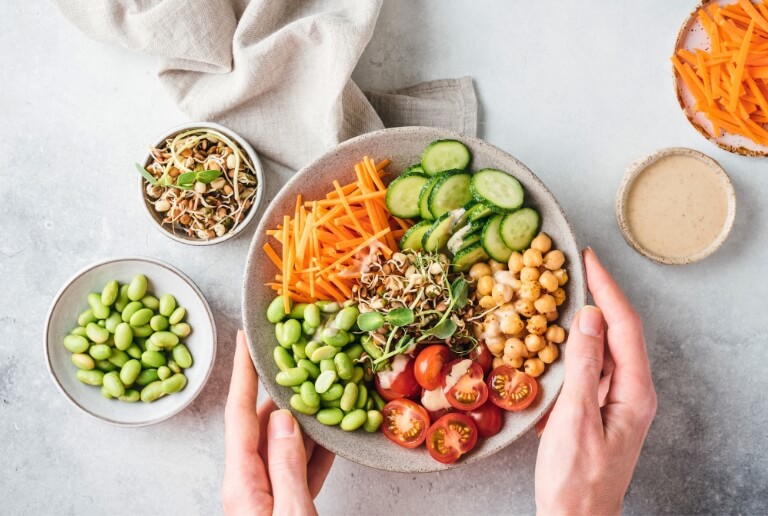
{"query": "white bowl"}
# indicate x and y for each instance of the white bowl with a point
(250, 214)
(72, 300)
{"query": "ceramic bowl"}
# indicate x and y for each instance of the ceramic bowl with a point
(157, 218)
(71, 301)
(403, 146)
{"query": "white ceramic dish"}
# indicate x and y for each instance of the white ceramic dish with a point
(71, 301)
(156, 218)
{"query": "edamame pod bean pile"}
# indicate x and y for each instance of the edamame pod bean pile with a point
(318, 357)
(129, 343)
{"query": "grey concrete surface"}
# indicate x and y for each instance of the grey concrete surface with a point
(575, 90)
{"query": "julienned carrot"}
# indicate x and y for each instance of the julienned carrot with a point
(325, 242)
(729, 82)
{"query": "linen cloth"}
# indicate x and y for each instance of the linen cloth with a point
(278, 72)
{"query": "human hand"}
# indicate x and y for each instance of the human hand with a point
(269, 468)
(592, 440)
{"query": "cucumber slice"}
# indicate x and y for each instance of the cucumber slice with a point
(414, 168)
(498, 189)
(451, 192)
(438, 234)
(519, 228)
(481, 211)
(468, 256)
(412, 238)
(461, 238)
(403, 195)
(424, 199)
(442, 155)
(473, 211)
(492, 242)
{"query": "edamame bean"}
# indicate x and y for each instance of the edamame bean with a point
(86, 317)
(181, 330)
(330, 404)
(327, 365)
(118, 358)
(141, 317)
(298, 404)
(152, 359)
(142, 331)
(92, 377)
(134, 351)
(83, 361)
(333, 393)
(122, 298)
(99, 310)
(146, 377)
(335, 337)
(105, 366)
(297, 312)
(79, 331)
(279, 327)
(174, 384)
(101, 323)
(148, 346)
(150, 302)
(349, 397)
(296, 389)
(309, 395)
(137, 288)
(328, 307)
(113, 384)
(357, 374)
(76, 343)
(346, 318)
(373, 421)
(308, 329)
(312, 315)
(330, 416)
(152, 392)
(324, 381)
(100, 351)
(311, 368)
(369, 404)
(322, 353)
(167, 305)
(96, 333)
(112, 322)
(178, 315)
(276, 309)
(173, 366)
(159, 323)
(344, 366)
(292, 376)
(105, 392)
(362, 396)
(164, 372)
(353, 420)
(283, 359)
(370, 347)
(130, 371)
(110, 292)
(130, 309)
(164, 339)
(311, 347)
(291, 332)
(299, 350)
(130, 396)
(378, 401)
(354, 352)
(182, 356)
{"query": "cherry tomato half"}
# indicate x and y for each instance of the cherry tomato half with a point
(482, 356)
(463, 384)
(402, 384)
(450, 437)
(429, 366)
(405, 422)
(510, 389)
(488, 419)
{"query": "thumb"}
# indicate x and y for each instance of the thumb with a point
(288, 465)
(584, 357)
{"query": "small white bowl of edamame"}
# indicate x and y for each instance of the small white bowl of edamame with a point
(136, 310)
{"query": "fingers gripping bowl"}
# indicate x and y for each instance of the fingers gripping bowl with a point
(403, 146)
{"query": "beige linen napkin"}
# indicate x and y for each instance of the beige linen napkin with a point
(277, 72)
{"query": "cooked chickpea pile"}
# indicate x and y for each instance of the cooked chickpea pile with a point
(523, 296)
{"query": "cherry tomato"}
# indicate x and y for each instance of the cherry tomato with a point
(463, 384)
(450, 437)
(510, 389)
(488, 419)
(429, 365)
(405, 423)
(435, 399)
(403, 385)
(482, 356)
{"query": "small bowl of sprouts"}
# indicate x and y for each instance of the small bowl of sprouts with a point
(201, 183)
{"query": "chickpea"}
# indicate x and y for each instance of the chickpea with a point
(524, 307)
(549, 281)
(532, 258)
(512, 324)
(515, 348)
(554, 260)
(492, 327)
(497, 266)
(534, 367)
(514, 363)
(555, 334)
(529, 274)
(545, 304)
(485, 285)
(559, 296)
(549, 354)
(479, 270)
(497, 361)
(561, 275)
(495, 345)
(502, 293)
(487, 302)
(552, 316)
(534, 343)
(530, 290)
(477, 331)
(515, 262)
(505, 277)
(537, 324)
(542, 243)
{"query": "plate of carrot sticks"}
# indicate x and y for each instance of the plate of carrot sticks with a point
(721, 74)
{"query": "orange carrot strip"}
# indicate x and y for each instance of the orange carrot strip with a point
(357, 249)
(741, 61)
(757, 18)
(286, 225)
(273, 255)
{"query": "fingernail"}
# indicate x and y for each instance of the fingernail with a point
(591, 321)
(281, 424)
(589, 249)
